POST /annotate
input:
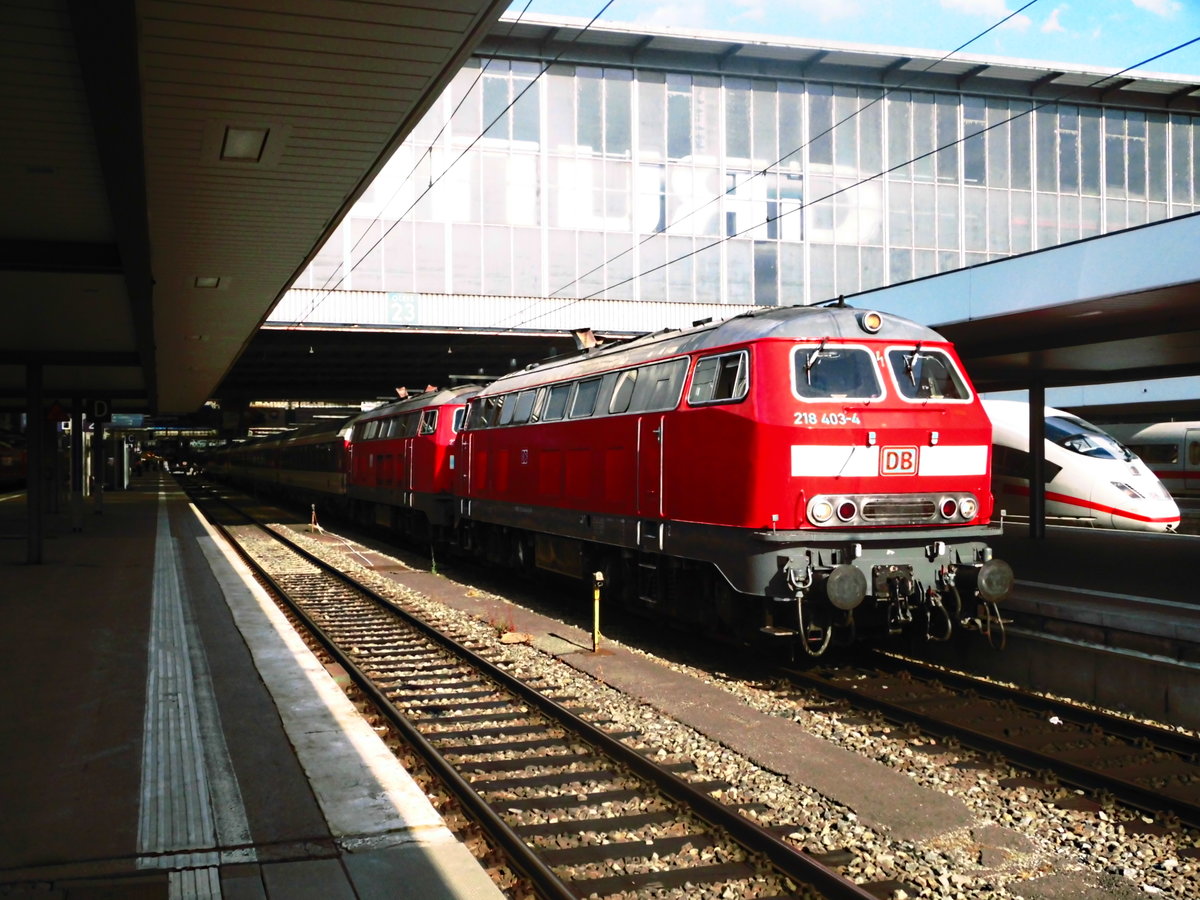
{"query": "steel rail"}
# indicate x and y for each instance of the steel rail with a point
(794, 864)
(1129, 729)
(1081, 776)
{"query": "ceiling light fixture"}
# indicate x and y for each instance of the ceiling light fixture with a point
(243, 144)
(207, 281)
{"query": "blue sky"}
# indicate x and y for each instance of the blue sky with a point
(1110, 34)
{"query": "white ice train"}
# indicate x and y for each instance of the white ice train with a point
(1170, 449)
(1091, 478)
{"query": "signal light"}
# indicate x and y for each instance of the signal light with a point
(847, 510)
(949, 507)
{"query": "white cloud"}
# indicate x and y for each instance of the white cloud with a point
(696, 13)
(750, 10)
(1164, 8)
(676, 15)
(989, 9)
(1052, 25)
(993, 9)
(822, 10)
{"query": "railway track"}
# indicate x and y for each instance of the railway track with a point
(580, 810)
(1147, 767)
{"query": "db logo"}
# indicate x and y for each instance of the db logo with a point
(898, 461)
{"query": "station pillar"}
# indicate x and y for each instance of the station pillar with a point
(35, 485)
(1037, 461)
(76, 501)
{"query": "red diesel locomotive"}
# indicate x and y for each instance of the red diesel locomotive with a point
(399, 472)
(809, 473)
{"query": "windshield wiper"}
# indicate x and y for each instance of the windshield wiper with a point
(910, 362)
(811, 361)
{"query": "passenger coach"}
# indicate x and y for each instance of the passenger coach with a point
(1171, 449)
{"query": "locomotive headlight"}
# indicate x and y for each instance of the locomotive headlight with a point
(871, 322)
(1127, 490)
(820, 511)
(967, 507)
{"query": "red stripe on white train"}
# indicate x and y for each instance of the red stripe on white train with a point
(1022, 491)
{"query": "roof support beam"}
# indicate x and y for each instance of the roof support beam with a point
(1117, 85)
(1048, 78)
(893, 67)
(973, 72)
(1181, 93)
(106, 44)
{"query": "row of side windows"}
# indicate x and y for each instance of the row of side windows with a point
(325, 457)
(403, 425)
(654, 387)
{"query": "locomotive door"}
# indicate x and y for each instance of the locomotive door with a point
(410, 446)
(1191, 459)
(650, 466)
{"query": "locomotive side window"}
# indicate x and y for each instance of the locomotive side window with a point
(523, 406)
(923, 374)
(428, 422)
(371, 430)
(507, 408)
(584, 403)
(720, 378)
(659, 386)
(556, 403)
(485, 412)
(460, 416)
(623, 392)
(834, 371)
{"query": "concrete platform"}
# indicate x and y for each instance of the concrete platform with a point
(166, 734)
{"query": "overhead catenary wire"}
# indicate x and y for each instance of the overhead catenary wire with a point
(434, 181)
(716, 198)
(812, 139)
(762, 172)
(411, 172)
(1033, 108)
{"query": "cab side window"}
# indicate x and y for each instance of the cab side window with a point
(720, 379)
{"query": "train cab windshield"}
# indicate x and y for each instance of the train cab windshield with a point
(1085, 438)
(832, 371)
(926, 374)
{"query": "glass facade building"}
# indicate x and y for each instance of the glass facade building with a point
(707, 172)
